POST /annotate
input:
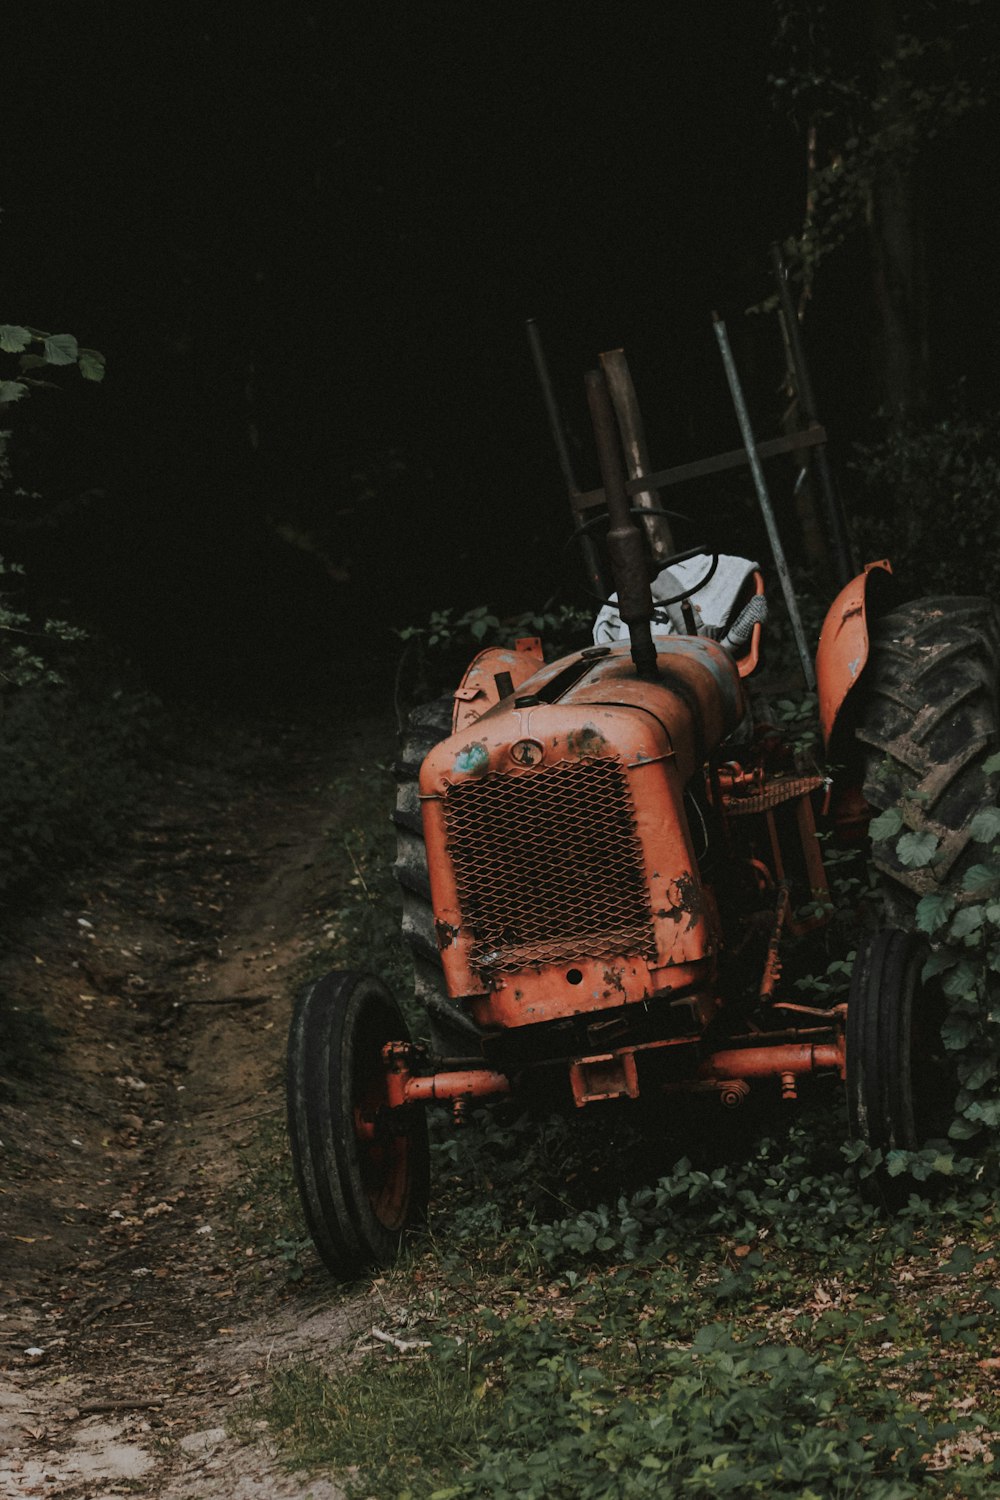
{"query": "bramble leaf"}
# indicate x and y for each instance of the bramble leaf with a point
(933, 910)
(961, 980)
(975, 1074)
(887, 824)
(61, 349)
(985, 825)
(917, 849)
(968, 920)
(13, 338)
(962, 1260)
(91, 364)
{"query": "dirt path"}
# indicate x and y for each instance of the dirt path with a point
(133, 1315)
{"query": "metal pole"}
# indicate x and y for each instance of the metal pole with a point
(633, 436)
(836, 523)
(591, 557)
(778, 552)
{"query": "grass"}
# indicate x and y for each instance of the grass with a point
(377, 1416)
(593, 1314)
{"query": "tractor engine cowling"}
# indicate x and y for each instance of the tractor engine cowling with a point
(563, 875)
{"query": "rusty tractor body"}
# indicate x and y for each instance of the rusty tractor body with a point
(567, 832)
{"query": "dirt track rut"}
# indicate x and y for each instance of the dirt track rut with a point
(166, 977)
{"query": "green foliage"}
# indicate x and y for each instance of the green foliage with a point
(74, 762)
(384, 1417)
(928, 501)
(21, 662)
(53, 349)
(916, 849)
(434, 655)
(965, 929)
(524, 1412)
(727, 1414)
(754, 1329)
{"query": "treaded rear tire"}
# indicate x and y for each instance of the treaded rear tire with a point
(450, 1031)
(927, 721)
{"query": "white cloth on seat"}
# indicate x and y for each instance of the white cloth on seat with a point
(713, 605)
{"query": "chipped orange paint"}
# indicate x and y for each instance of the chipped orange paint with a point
(772, 1061)
(477, 693)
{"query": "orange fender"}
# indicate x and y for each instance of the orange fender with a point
(843, 647)
(478, 691)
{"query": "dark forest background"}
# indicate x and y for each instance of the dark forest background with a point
(307, 239)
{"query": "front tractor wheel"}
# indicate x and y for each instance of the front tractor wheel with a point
(362, 1169)
(899, 1082)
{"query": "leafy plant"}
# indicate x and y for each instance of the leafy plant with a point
(765, 1337)
(38, 352)
(38, 355)
(435, 654)
(965, 931)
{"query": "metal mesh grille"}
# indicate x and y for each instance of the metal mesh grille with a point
(548, 865)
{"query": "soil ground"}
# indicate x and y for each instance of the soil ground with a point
(133, 1316)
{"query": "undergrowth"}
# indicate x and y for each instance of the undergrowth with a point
(76, 758)
(749, 1329)
(714, 1307)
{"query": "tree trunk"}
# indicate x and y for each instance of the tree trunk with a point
(896, 235)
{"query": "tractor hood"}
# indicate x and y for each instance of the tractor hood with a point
(562, 872)
(568, 707)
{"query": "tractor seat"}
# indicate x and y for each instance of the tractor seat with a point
(717, 607)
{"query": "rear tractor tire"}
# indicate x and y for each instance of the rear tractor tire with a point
(927, 721)
(362, 1170)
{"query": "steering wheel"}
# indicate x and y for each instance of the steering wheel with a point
(676, 557)
(680, 557)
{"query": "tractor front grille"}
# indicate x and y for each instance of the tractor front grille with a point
(548, 865)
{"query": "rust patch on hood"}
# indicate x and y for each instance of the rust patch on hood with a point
(586, 741)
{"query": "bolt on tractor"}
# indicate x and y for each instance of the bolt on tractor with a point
(602, 855)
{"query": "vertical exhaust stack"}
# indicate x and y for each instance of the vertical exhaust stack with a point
(633, 436)
(625, 544)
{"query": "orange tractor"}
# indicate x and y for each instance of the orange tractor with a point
(601, 856)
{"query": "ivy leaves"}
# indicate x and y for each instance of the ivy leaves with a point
(38, 354)
(43, 351)
(913, 849)
(964, 927)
